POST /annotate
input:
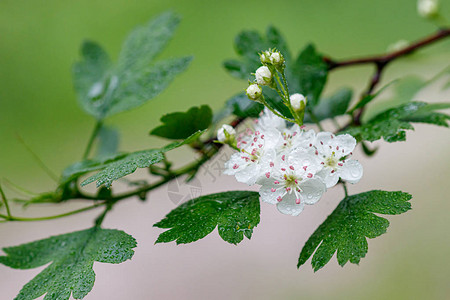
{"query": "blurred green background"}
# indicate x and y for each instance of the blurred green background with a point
(39, 42)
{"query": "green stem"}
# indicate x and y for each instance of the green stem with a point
(52, 217)
(274, 111)
(101, 217)
(345, 188)
(94, 134)
(286, 95)
(286, 98)
(8, 211)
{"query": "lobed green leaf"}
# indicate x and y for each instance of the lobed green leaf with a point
(248, 45)
(72, 257)
(125, 164)
(104, 90)
(333, 106)
(311, 72)
(234, 213)
(345, 231)
(392, 123)
(180, 125)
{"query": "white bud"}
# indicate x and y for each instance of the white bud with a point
(254, 91)
(428, 8)
(265, 57)
(298, 101)
(263, 75)
(275, 58)
(222, 137)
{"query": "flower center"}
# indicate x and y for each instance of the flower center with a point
(331, 161)
(291, 181)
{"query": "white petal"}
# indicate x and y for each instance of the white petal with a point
(269, 120)
(323, 142)
(312, 190)
(351, 171)
(271, 137)
(300, 158)
(288, 206)
(267, 195)
(249, 174)
(235, 159)
(330, 179)
(346, 142)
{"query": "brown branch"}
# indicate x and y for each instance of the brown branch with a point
(385, 59)
(380, 62)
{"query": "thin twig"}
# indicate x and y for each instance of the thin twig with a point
(73, 212)
(94, 134)
(380, 62)
(8, 211)
(39, 161)
(387, 58)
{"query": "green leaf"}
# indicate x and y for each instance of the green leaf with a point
(333, 106)
(72, 257)
(242, 107)
(144, 43)
(180, 125)
(104, 90)
(135, 88)
(426, 114)
(311, 73)
(235, 214)
(248, 45)
(346, 229)
(126, 164)
(91, 76)
(392, 123)
(275, 38)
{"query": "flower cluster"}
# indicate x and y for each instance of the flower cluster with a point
(293, 166)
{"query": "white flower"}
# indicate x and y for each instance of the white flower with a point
(221, 136)
(290, 182)
(254, 91)
(269, 121)
(334, 152)
(428, 8)
(298, 101)
(256, 152)
(263, 76)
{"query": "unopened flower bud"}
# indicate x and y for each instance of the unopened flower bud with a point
(263, 76)
(227, 135)
(254, 91)
(298, 101)
(265, 57)
(276, 58)
(428, 8)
